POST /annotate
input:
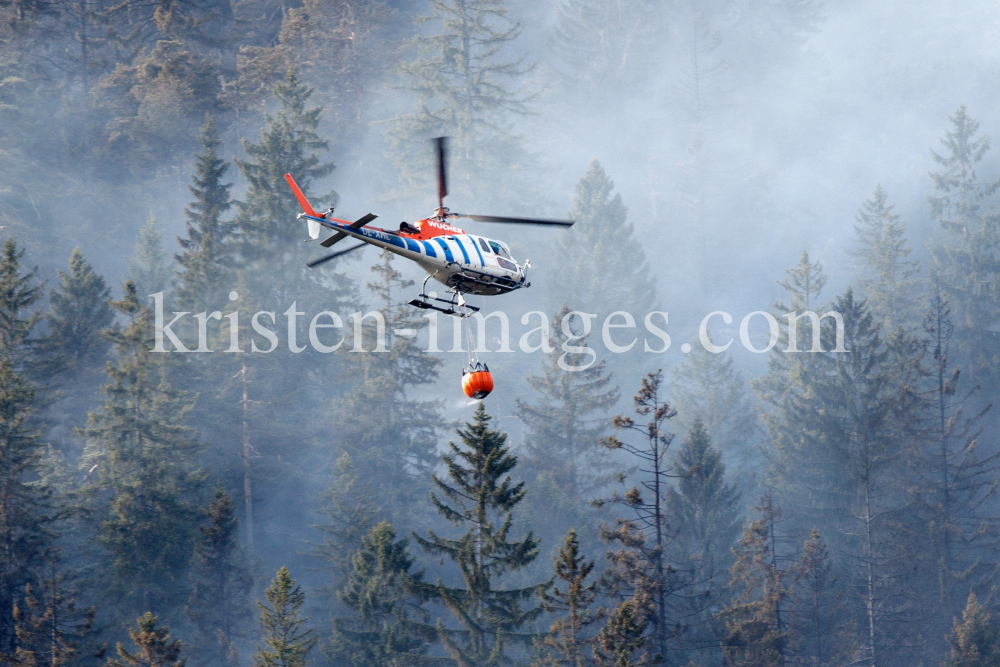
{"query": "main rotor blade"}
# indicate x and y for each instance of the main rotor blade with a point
(441, 152)
(520, 221)
(316, 262)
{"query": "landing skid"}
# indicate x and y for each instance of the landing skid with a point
(456, 305)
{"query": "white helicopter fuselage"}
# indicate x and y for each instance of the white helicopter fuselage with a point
(468, 263)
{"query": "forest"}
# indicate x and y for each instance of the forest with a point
(685, 505)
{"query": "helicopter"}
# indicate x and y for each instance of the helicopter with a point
(465, 263)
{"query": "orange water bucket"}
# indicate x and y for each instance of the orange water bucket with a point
(477, 382)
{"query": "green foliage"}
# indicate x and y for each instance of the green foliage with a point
(757, 630)
(219, 603)
(389, 435)
(885, 272)
(155, 646)
(381, 597)
(351, 508)
(25, 519)
(975, 642)
(149, 271)
(288, 144)
(821, 622)
(468, 89)
(966, 259)
(566, 645)
(79, 312)
(18, 293)
(286, 642)
(203, 261)
(142, 498)
(603, 265)
(480, 494)
(51, 631)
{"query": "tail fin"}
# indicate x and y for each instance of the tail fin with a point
(313, 225)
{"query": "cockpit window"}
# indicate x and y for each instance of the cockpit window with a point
(500, 250)
(484, 245)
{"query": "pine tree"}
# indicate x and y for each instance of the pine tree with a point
(289, 144)
(351, 507)
(757, 623)
(602, 243)
(381, 597)
(146, 477)
(622, 640)
(51, 631)
(975, 642)
(467, 89)
(203, 261)
(18, 293)
(564, 425)
(480, 494)
(286, 641)
(885, 272)
(647, 536)
(155, 646)
(26, 516)
(149, 270)
(220, 590)
(704, 516)
(966, 260)
(566, 644)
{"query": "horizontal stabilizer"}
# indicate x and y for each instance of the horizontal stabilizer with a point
(357, 224)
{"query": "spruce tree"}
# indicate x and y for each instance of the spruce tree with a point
(219, 602)
(646, 536)
(885, 272)
(564, 424)
(26, 519)
(820, 620)
(74, 350)
(381, 597)
(352, 508)
(966, 260)
(18, 293)
(480, 494)
(79, 312)
(602, 243)
(573, 597)
(155, 646)
(605, 49)
(286, 641)
(953, 478)
(266, 219)
(142, 496)
(709, 387)
(203, 261)
(757, 621)
(51, 630)
(148, 269)
(975, 641)
(469, 89)
(704, 518)
(390, 435)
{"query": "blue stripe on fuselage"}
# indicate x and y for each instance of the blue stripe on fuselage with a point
(447, 251)
(412, 245)
(475, 245)
(430, 249)
(461, 246)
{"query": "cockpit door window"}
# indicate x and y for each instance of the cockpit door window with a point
(484, 245)
(499, 249)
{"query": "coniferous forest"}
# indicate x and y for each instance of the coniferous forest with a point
(194, 471)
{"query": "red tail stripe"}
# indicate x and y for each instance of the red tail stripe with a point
(301, 197)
